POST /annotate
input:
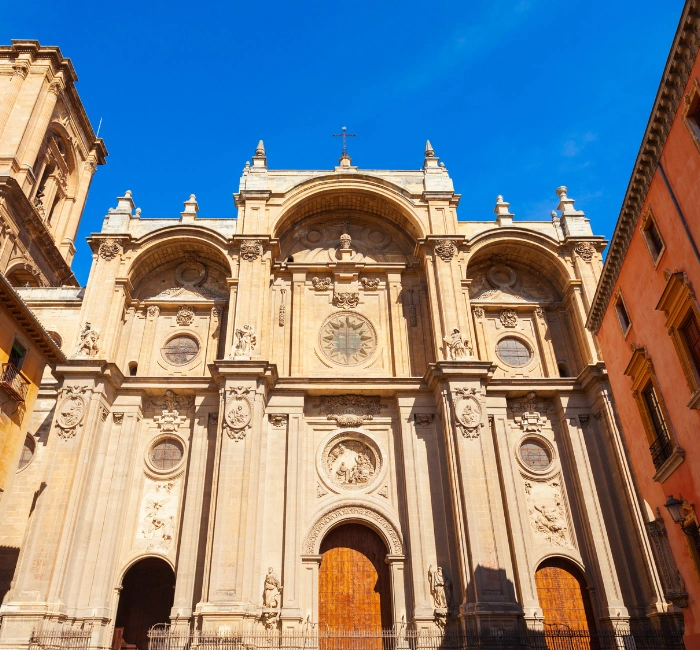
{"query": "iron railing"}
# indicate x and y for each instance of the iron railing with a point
(661, 450)
(60, 638)
(13, 382)
(551, 638)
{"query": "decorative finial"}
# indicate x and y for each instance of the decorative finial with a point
(554, 214)
(566, 205)
(503, 215)
(191, 206)
(345, 160)
(127, 193)
(260, 150)
(561, 191)
(429, 151)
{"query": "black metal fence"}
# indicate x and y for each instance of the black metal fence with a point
(60, 638)
(163, 638)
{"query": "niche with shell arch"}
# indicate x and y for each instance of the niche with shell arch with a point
(520, 298)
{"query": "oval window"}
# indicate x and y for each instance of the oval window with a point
(166, 453)
(27, 452)
(180, 350)
(513, 352)
(535, 454)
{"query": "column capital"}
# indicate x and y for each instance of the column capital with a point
(20, 69)
(56, 86)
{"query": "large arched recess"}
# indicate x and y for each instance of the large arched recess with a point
(146, 598)
(358, 194)
(172, 244)
(536, 251)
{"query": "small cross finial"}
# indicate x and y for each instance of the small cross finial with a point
(345, 135)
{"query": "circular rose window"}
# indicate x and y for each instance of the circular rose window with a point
(535, 454)
(180, 350)
(513, 352)
(348, 339)
(351, 461)
(166, 453)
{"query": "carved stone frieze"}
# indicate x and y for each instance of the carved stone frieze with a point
(87, 342)
(185, 316)
(109, 249)
(353, 513)
(528, 412)
(509, 318)
(71, 411)
(585, 251)
(546, 511)
(321, 284)
(251, 250)
(350, 410)
(238, 413)
(351, 461)
(157, 517)
(346, 299)
(171, 402)
(446, 250)
(468, 412)
(369, 284)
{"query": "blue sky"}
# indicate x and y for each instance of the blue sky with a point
(516, 96)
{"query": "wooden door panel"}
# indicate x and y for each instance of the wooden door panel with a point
(563, 597)
(354, 589)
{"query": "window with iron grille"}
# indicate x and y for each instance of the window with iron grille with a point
(166, 453)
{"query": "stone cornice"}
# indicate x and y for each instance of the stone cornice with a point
(31, 327)
(11, 192)
(673, 82)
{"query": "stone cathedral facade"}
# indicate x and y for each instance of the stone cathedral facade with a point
(345, 408)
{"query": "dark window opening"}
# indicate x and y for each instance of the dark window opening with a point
(691, 334)
(27, 452)
(661, 448)
(563, 369)
(17, 355)
(622, 314)
(653, 237)
(133, 368)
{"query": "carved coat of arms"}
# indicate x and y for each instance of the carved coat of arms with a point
(468, 412)
(238, 414)
(71, 411)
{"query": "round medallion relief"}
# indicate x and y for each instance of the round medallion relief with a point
(71, 411)
(347, 339)
(351, 461)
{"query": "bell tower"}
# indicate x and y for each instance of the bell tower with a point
(48, 155)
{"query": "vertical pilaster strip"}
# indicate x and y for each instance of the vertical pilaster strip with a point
(19, 74)
(298, 285)
(144, 369)
(399, 345)
(36, 138)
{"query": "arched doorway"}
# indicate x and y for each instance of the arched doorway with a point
(563, 596)
(146, 598)
(354, 585)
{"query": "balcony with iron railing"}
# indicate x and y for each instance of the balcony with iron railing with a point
(14, 382)
(661, 450)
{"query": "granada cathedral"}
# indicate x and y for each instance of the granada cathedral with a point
(351, 407)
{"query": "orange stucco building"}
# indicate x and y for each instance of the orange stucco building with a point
(647, 319)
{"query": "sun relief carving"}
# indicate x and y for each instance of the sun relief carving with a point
(347, 339)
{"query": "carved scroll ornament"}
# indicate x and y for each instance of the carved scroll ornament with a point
(346, 300)
(251, 250)
(446, 250)
(109, 249)
(350, 410)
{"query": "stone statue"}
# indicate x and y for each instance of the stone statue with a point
(440, 587)
(87, 341)
(247, 340)
(458, 346)
(272, 590)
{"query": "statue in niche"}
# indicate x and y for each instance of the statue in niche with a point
(272, 590)
(440, 587)
(87, 341)
(247, 340)
(458, 346)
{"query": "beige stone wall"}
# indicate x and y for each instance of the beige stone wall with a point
(326, 384)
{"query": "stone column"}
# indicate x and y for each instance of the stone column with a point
(39, 131)
(398, 590)
(231, 316)
(191, 519)
(19, 74)
(399, 344)
(486, 571)
(293, 512)
(67, 228)
(298, 288)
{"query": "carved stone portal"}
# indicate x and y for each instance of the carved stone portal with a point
(351, 461)
(350, 410)
(238, 414)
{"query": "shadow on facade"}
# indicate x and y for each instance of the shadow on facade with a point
(8, 562)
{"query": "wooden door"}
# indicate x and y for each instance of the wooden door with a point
(354, 586)
(563, 596)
